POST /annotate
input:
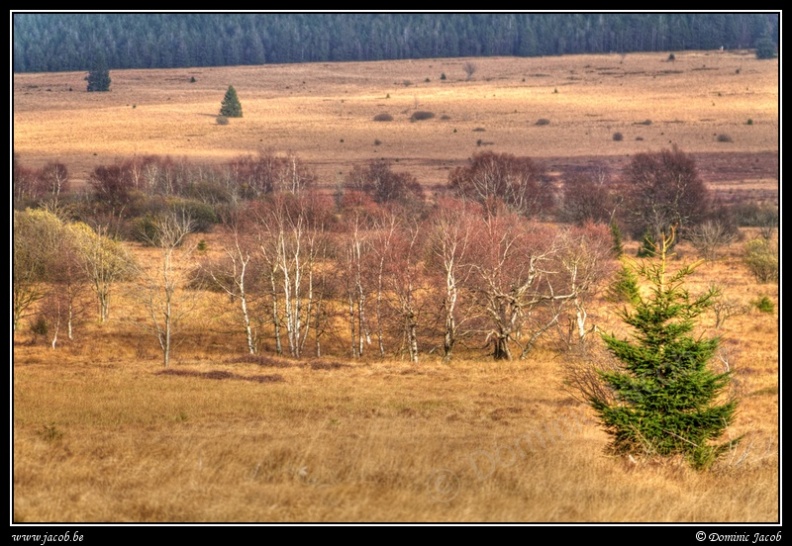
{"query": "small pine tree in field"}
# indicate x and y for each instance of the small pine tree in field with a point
(663, 398)
(99, 76)
(231, 107)
(765, 48)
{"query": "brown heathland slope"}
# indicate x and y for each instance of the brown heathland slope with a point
(324, 112)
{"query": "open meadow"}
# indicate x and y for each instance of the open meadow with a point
(103, 432)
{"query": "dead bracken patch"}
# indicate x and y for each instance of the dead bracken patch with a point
(220, 375)
(323, 365)
(261, 360)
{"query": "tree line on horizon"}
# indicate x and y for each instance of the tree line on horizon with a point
(70, 41)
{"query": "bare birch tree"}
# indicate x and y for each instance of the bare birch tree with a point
(355, 254)
(234, 278)
(164, 286)
(405, 276)
(585, 256)
(514, 283)
(449, 237)
(291, 240)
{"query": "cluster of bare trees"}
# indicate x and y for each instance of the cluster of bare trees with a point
(46, 185)
(373, 269)
(403, 284)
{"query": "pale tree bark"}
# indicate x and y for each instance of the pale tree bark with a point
(270, 251)
(166, 284)
(294, 244)
(240, 259)
(514, 284)
(355, 250)
(449, 238)
(381, 246)
(585, 257)
(404, 274)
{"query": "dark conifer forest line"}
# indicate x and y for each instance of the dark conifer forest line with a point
(73, 41)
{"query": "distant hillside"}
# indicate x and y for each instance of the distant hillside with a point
(70, 41)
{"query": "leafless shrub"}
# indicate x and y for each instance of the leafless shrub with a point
(726, 308)
(470, 68)
(709, 236)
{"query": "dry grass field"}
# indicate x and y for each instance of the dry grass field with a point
(103, 433)
(324, 112)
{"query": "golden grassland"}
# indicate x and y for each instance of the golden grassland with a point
(102, 435)
(324, 112)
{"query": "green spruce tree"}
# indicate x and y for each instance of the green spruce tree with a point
(664, 398)
(230, 107)
(99, 76)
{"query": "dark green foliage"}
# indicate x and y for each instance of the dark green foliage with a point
(62, 41)
(765, 48)
(618, 247)
(99, 77)
(231, 107)
(39, 326)
(764, 305)
(144, 230)
(663, 398)
(648, 247)
(623, 289)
